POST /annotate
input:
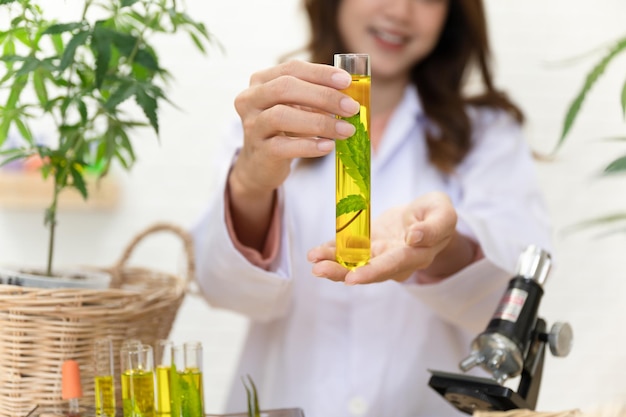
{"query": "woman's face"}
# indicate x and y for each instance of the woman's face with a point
(395, 33)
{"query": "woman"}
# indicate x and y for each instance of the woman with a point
(454, 198)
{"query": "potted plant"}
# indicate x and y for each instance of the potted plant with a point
(96, 78)
(618, 165)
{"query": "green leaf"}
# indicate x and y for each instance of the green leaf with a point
(59, 28)
(128, 3)
(101, 43)
(2, 2)
(253, 400)
(15, 92)
(82, 109)
(149, 106)
(122, 93)
(147, 58)
(590, 81)
(9, 50)
(8, 112)
(617, 166)
(125, 144)
(21, 34)
(78, 181)
(354, 153)
(124, 42)
(14, 155)
(23, 129)
(597, 221)
(70, 50)
(8, 76)
(30, 64)
(57, 43)
(196, 40)
(350, 204)
(624, 100)
(39, 83)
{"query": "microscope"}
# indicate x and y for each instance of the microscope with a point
(513, 345)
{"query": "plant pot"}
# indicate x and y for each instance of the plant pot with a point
(71, 277)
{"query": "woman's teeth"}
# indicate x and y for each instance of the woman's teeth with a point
(390, 38)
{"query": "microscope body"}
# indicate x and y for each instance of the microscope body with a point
(502, 347)
(513, 344)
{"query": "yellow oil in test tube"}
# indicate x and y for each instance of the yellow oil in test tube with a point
(164, 360)
(352, 169)
(137, 375)
(104, 385)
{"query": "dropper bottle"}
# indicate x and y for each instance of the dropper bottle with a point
(71, 389)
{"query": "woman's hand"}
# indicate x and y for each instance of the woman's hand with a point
(288, 112)
(420, 236)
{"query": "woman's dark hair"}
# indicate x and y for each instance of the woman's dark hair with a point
(440, 77)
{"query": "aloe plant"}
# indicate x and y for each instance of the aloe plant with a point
(96, 79)
(618, 165)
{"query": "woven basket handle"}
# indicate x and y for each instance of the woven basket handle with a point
(116, 269)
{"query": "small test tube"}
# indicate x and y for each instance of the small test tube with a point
(352, 169)
(164, 360)
(137, 375)
(104, 382)
(187, 387)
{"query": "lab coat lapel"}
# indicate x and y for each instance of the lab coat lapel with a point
(402, 121)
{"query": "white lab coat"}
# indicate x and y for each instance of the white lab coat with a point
(339, 351)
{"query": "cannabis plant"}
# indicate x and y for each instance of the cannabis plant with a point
(618, 165)
(96, 77)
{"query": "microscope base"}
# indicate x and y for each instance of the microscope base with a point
(469, 393)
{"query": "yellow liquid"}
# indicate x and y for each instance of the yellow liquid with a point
(192, 393)
(138, 393)
(105, 396)
(163, 405)
(353, 228)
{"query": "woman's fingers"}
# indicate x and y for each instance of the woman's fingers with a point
(429, 220)
(292, 90)
(300, 123)
(298, 84)
(313, 73)
(324, 263)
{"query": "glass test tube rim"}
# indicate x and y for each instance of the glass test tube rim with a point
(353, 63)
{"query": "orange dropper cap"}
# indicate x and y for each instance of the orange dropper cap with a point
(70, 380)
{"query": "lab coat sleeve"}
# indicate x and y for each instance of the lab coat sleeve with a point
(501, 207)
(225, 277)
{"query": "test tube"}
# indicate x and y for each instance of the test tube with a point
(137, 362)
(187, 389)
(164, 360)
(104, 385)
(352, 169)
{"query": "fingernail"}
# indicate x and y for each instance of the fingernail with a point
(345, 129)
(325, 145)
(414, 236)
(350, 105)
(341, 79)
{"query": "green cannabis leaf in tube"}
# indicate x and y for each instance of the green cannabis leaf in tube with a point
(355, 156)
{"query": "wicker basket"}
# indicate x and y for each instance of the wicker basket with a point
(41, 328)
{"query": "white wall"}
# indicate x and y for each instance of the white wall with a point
(171, 180)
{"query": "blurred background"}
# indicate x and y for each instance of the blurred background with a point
(533, 43)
